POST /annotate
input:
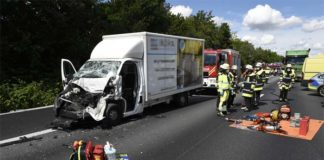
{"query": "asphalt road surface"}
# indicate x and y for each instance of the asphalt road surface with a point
(192, 132)
(16, 124)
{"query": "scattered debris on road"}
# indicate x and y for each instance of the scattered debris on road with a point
(279, 122)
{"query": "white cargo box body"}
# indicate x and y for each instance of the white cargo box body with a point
(172, 64)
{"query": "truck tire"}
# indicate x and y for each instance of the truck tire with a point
(113, 115)
(181, 100)
(321, 91)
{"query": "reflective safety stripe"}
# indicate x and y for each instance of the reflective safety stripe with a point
(258, 89)
(284, 87)
(259, 85)
(247, 91)
(247, 95)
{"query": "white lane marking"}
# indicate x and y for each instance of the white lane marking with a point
(27, 136)
(25, 110)
(261, 95)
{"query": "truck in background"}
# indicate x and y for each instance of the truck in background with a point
(212, 61)
(128, 72)
(311, 67)
(297, 58)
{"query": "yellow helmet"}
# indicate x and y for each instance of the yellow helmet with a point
(274, 115)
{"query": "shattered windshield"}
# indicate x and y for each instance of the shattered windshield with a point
(98, 69)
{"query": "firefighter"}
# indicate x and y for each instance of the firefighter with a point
(248, 88)
(233, 88)
(223, 84)
(260, 79)
(268, 71)
(285, 83)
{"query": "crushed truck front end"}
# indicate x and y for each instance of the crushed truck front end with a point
(85, 95)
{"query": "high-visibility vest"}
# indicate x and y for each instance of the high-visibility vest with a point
(286, 74)
(249, 85)
(232, 80)
(223, 82)
(263, 75)
(247, 90)
(260, 79)
(286, 78)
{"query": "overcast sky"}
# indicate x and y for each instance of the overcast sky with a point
(278, 25)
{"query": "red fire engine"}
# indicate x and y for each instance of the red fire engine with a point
(213, 59)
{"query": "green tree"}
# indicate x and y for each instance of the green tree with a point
(137, 15)
(200, 25)
(225, 36)
(35, 35)
(251, 55)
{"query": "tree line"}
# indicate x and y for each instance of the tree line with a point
(36, 34)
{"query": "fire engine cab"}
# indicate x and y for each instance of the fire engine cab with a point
(212, 61)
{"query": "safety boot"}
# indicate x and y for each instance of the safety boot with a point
(219, 113)
(245, 109)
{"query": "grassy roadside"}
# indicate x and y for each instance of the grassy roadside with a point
(23, 95)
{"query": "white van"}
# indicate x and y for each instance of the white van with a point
(128, 72)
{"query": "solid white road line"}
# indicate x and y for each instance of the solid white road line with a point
(25, 110)
(27, 136)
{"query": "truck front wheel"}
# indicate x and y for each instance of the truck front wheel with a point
(113, 115)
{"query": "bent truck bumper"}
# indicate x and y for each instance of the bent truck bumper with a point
(74, 115)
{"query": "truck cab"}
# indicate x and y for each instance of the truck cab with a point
(212, 61)
(86, 94)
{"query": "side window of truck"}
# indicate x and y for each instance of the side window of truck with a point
(222, 58)
(234, 61)
(68, 70)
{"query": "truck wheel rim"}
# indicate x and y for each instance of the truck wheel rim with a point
(113, 115)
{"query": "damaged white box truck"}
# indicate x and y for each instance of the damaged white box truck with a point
(128, 72)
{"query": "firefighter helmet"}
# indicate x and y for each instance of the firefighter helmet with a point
(274, 115)
(258, 64)
(289, 66)
(249, 67)
(285, 112)
(234, 67)
(224, 66)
